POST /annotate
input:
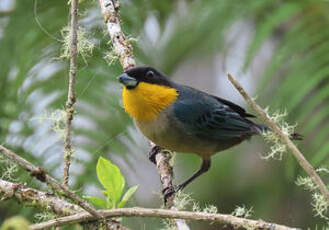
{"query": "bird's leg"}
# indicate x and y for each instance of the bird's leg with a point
(153, 152)
(204, 168)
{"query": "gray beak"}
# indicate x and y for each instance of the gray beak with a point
(127, 81)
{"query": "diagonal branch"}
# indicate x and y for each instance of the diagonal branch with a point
(34, 197)
(236, 222)
(43, 176)
(71, 94)
(284, 138)
(44, 200)
(124, 50)
(121, 45)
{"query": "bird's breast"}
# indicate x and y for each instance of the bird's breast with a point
(157, 129)
(145, 102)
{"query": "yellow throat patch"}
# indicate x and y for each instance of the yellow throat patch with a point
(147, 100)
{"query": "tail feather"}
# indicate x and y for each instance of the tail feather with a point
(296, 136)
(261, 128)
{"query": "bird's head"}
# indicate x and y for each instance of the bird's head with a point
(132, 77)
(146, 92)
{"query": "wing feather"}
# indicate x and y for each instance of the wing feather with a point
(211, 117)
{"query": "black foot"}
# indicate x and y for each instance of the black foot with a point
(168, 192)
(153, 152)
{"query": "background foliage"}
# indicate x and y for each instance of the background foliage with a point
(170, 35)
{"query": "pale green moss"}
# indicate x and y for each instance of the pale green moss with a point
(9, 170)
(320, 205)
(242, 211)
(57, 119)
(277, 148)
(111, 57)
(44, 216)
(306, 183)
(211, 209)
(84, 48)
(319, 202)
(182, 200)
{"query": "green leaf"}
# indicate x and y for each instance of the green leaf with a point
(111, 178)
(106, 193)
(109, 203)
(127, 196)
(96, 201)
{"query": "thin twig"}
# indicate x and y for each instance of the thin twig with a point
(33, 197)
(35, 15)
(284, 138)
(124, 50)
(164, 213)
(68, 152)
(43, 176)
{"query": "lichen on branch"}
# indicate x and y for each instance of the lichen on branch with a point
(284, 138)
(277, 148)
(33, 197)
(84, 48)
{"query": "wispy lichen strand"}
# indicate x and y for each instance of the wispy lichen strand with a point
(84, 47)
(8, 170)
(57, 119)
(242, 211)
(277, 148)
(319, 203)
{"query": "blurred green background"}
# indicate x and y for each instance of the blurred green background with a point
(277, 49)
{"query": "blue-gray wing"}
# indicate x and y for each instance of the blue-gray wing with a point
(210, 117)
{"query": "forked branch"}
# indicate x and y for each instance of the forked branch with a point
(43, 176)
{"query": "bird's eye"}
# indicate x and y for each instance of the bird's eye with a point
(150, 74)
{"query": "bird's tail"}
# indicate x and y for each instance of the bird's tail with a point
(261, 128)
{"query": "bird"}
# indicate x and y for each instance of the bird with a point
(184, 119)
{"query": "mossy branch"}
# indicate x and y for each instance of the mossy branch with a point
(44, 201)
(164, 213)
(284, 138)
(33, 197)
(68, 151)
(121, 44)
(44, 177)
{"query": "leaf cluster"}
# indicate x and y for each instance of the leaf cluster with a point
(109, 175)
